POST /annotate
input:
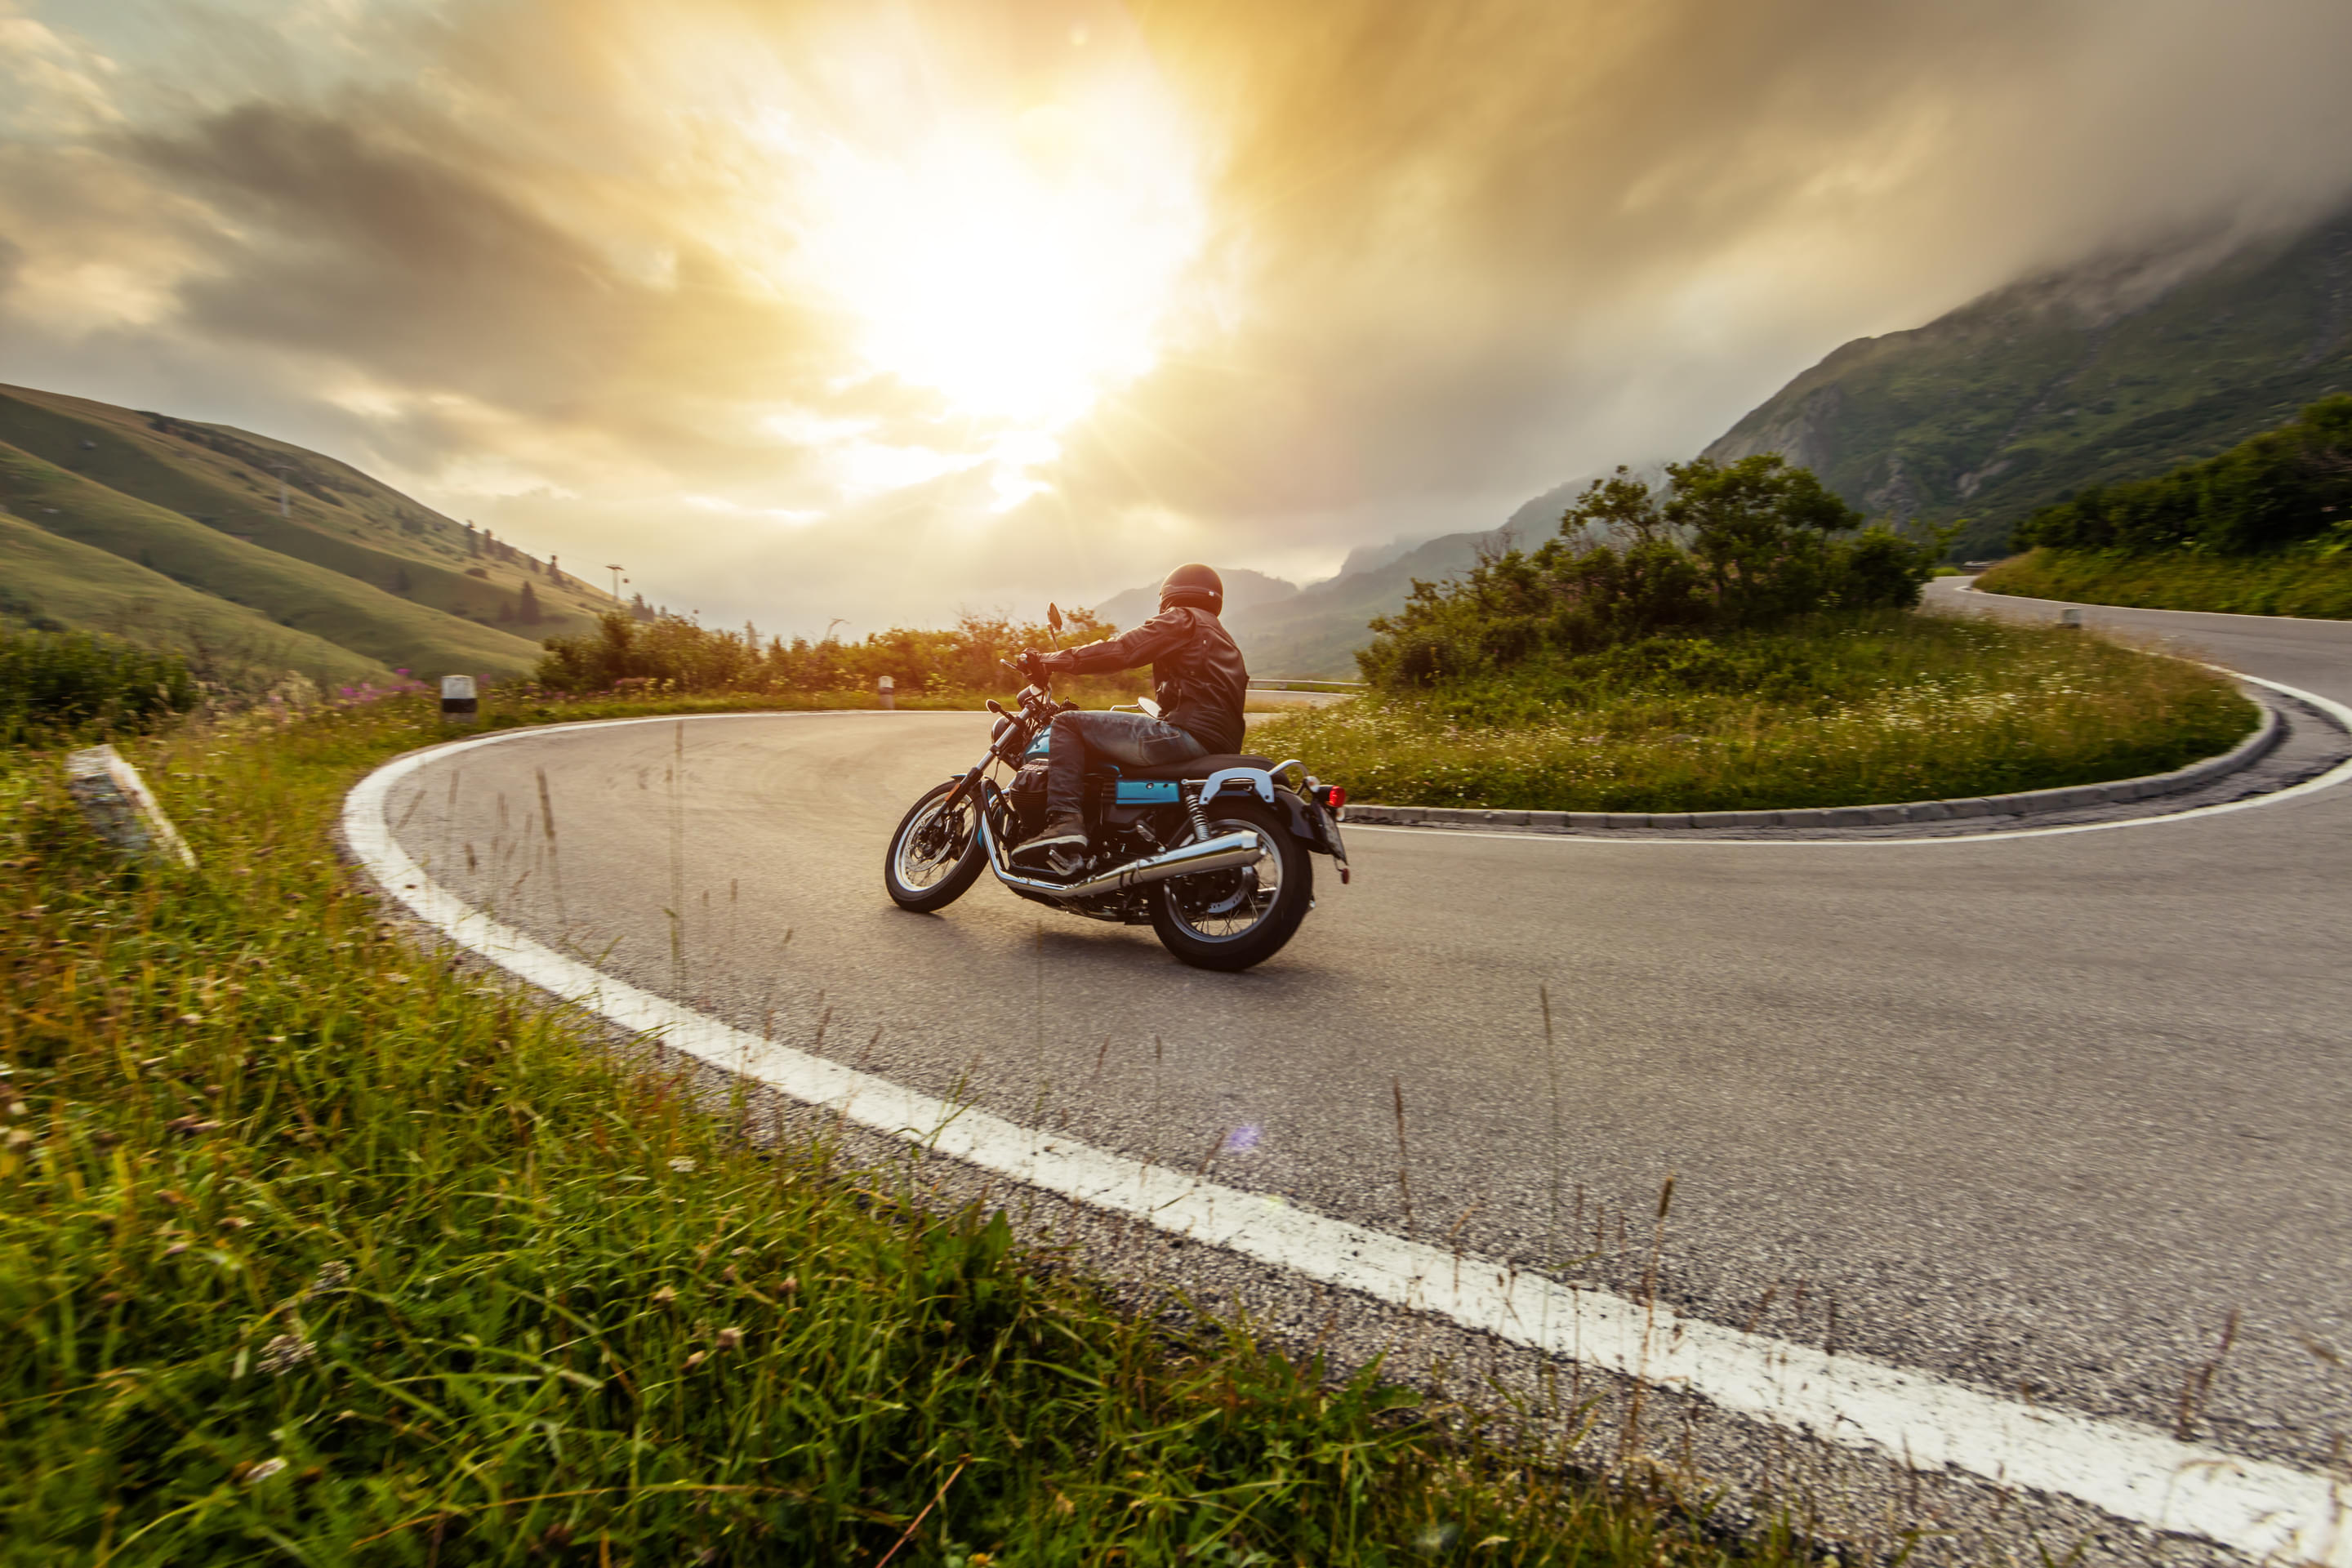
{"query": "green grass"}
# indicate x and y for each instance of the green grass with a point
(1842, 711)
(50, 581)
(314, 1249)
(369, 621)
(67, 686)
(2291, 583)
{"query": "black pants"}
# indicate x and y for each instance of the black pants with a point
(1133, 740)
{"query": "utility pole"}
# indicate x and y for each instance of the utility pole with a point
(283, 494)
(614, 569)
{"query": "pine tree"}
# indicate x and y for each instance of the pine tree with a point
(528, 611)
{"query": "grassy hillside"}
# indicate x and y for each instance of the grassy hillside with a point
(2100, 373)
(48, 582)
(334, 516)
(370, 622)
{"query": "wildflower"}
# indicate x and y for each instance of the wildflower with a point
(663, 1296)
(330, 1278)
(682, 1165)
(284, 1353)
(256, 1474)
(730, 1338)
(697, 1359)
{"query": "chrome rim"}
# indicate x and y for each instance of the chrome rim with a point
(931, 845)
(1224, 906)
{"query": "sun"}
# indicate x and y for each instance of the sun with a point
(1019, 265)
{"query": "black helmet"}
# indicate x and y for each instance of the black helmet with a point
(1197, 585)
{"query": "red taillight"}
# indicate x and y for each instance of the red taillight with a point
(1335, 797)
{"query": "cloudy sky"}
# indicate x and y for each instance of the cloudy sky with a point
(803, 309)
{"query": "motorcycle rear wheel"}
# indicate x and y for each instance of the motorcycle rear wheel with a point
(1231, 919)
(933, 859)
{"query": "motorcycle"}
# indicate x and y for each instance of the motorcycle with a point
(1214, 853)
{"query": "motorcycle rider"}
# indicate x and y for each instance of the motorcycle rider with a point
(1197, 680)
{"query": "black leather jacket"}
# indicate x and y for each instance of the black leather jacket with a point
(1197, 674)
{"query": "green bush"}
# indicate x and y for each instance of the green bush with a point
(57, 685)
(2282, 488)
(673, 655)
(1728, 548)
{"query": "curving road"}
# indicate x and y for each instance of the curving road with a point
(2037, 1116)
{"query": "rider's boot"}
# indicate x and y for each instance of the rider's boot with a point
(1060, 847)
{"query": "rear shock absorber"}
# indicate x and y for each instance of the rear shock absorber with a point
(1199, 819)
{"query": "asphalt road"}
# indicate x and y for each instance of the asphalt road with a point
(2037, 1114)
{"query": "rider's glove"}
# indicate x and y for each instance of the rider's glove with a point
(1031, 663)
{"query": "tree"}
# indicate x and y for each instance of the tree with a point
(527, 610)
(1724, 548)
(1762, 529)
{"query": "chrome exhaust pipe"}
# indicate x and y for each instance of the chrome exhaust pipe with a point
(1231, 852)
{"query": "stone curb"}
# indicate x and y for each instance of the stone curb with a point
(2027, 803)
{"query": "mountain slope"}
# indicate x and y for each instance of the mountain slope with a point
(1244, 590)
(333, 515)
(1316, 630)
(51, 582)
(1319, 630)
(367, 621)
(2110, 371)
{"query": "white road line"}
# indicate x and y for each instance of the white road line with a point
(2341, 772)
(2269, 1511)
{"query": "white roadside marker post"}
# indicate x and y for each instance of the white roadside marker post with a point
(120, 808)
(2072, 616)
(889, 693)
(459, 705)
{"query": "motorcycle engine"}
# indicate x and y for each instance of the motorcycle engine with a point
(1026, 793)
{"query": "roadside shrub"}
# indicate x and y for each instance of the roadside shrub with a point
(54, 685)
(2285, 487)
(1739, 547)
(673, 654)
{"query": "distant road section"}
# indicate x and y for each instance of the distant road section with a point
(2314, 655)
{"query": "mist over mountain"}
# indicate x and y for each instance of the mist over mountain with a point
(2115, 369)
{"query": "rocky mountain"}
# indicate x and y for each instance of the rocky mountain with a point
(2115, 369)
(219, 538)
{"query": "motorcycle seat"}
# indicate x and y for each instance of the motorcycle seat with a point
(1197, 768)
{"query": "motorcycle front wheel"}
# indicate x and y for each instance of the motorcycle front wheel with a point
(935, 854)
(1231, 919)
